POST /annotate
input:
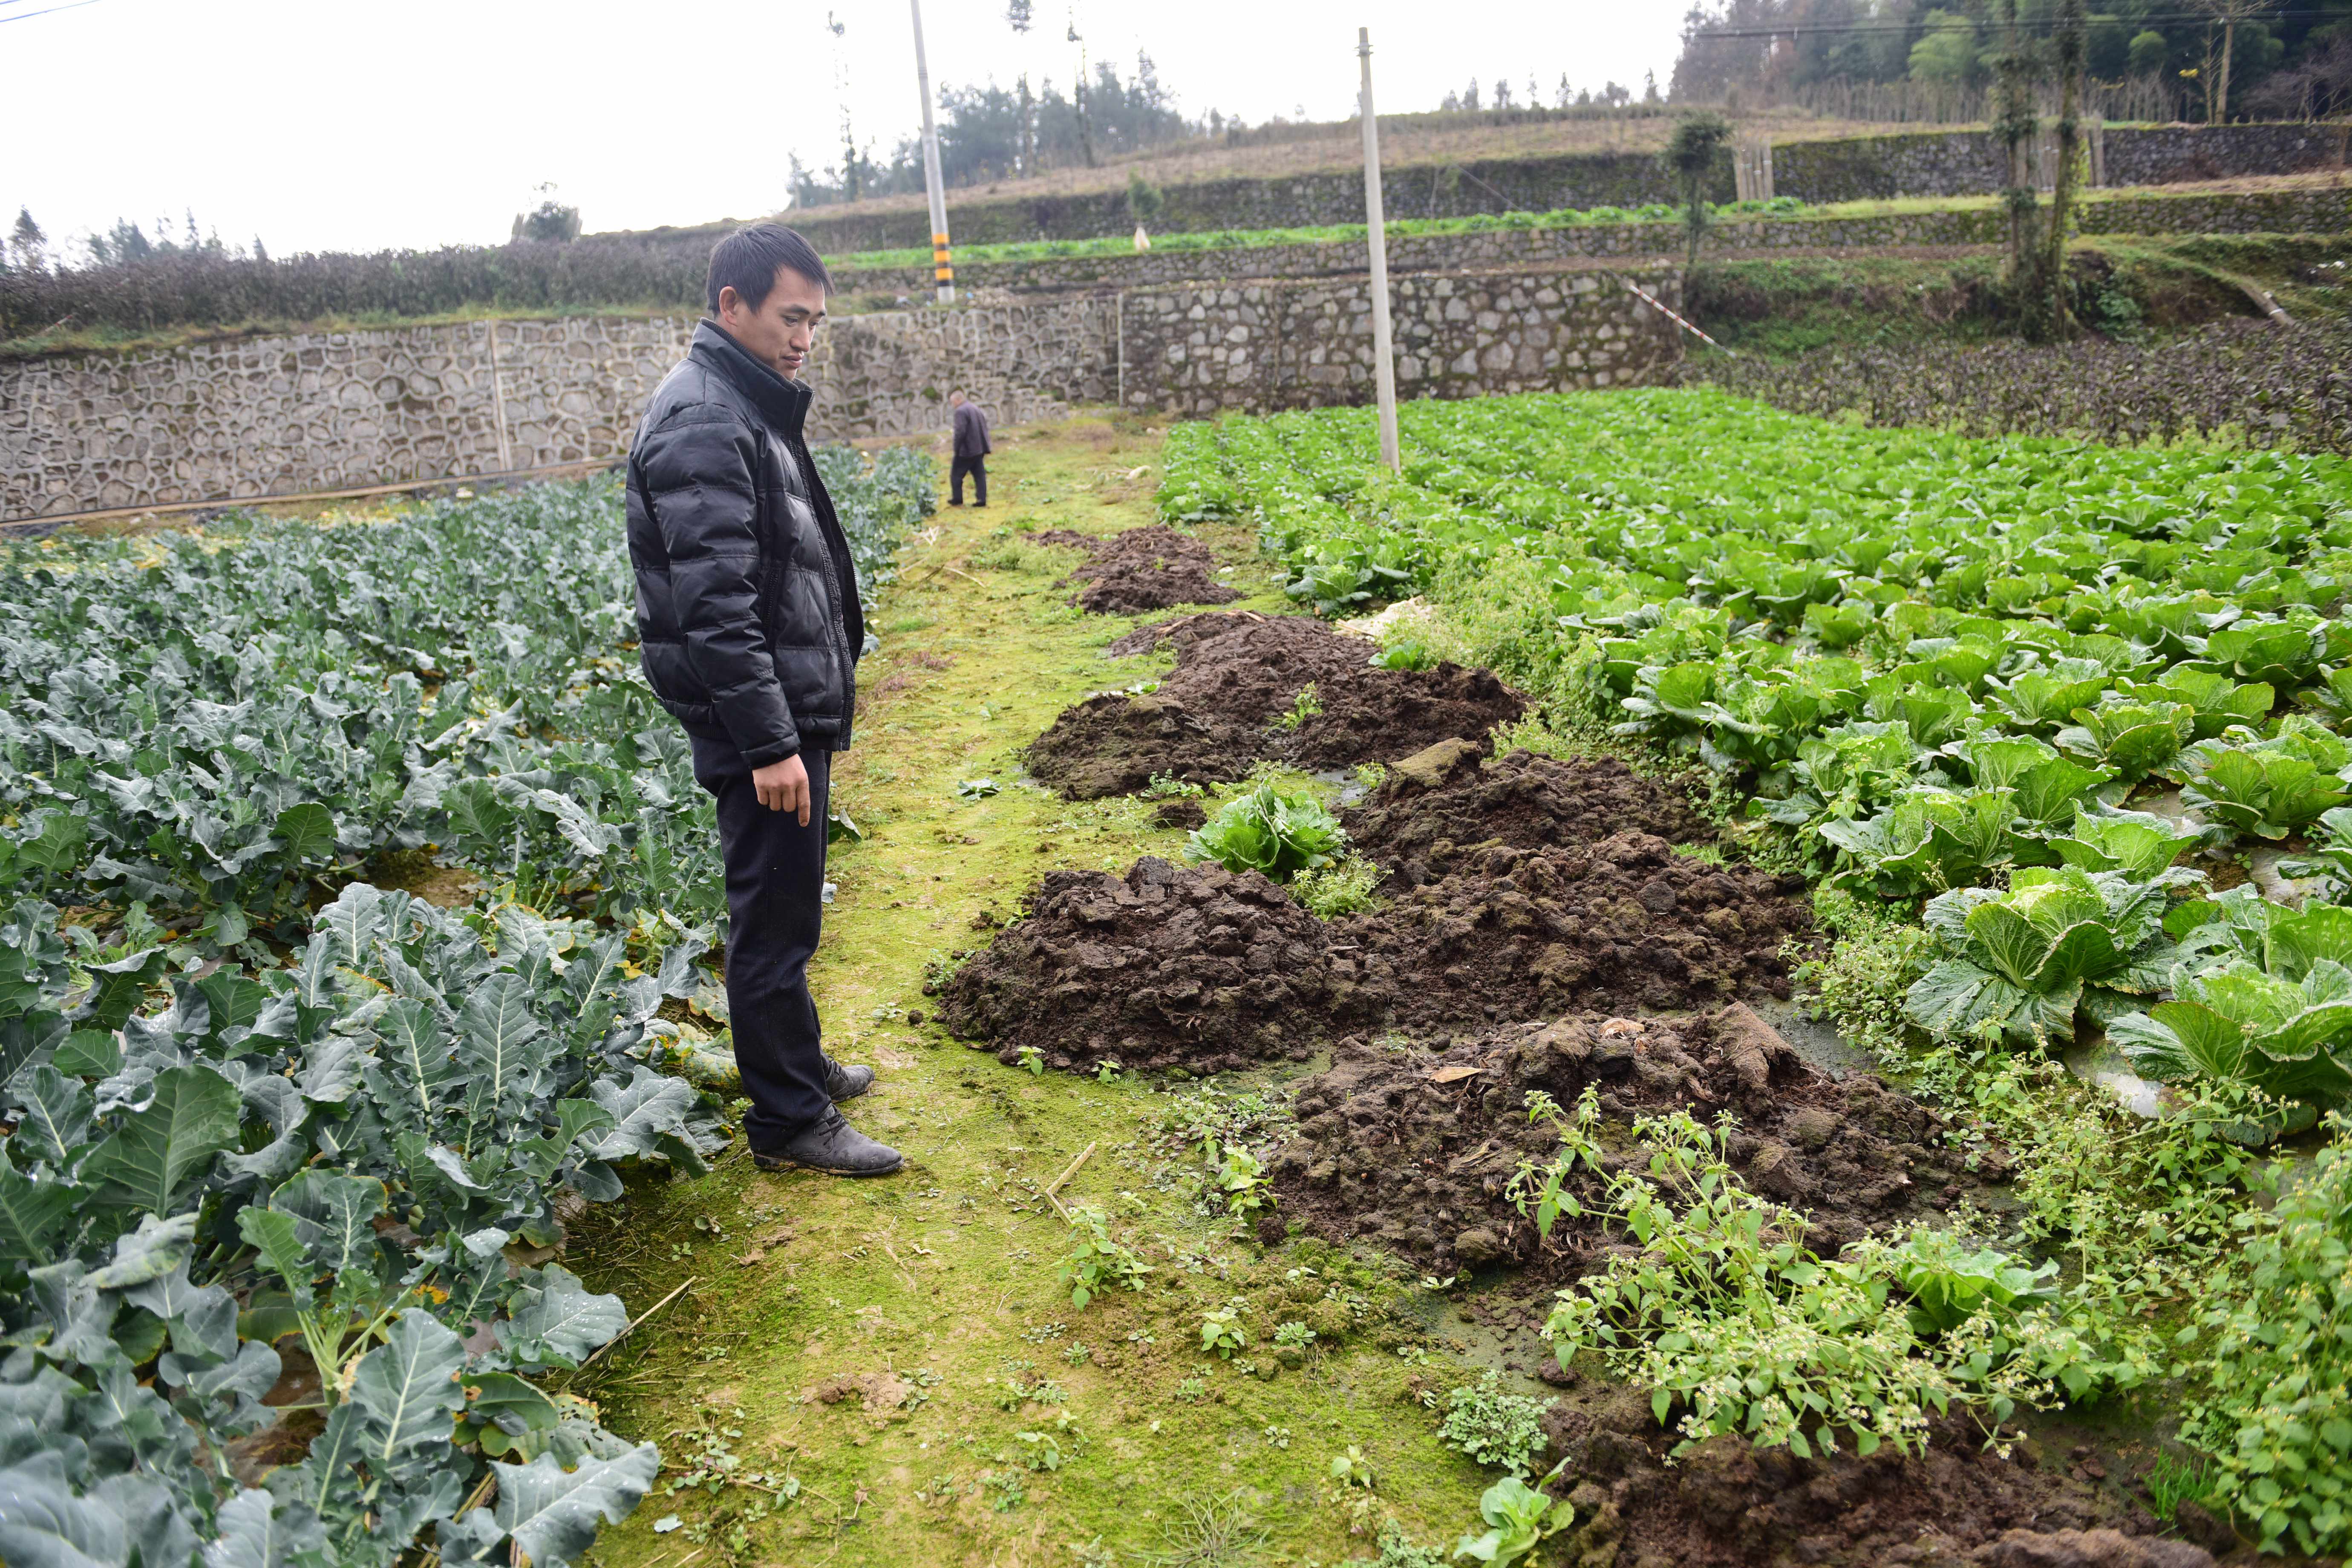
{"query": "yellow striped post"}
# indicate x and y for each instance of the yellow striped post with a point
(942, 266)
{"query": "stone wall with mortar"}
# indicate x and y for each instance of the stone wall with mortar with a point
(328, 411)
(341, 410)
(1841, 169)
(1273, 343)
(2267, 211)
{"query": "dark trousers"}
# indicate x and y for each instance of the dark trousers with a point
(775, 907)
(978, 469)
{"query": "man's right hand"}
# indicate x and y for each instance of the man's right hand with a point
(783, 787)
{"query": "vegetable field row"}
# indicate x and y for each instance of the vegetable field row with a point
(2062, 706)
(252, 1095)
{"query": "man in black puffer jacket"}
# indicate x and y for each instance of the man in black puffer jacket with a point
(750, 631)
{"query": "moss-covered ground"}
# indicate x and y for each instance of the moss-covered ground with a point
(895, 1362)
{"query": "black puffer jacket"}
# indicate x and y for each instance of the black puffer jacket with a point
(748, 621)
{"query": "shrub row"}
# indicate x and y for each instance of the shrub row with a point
(213, 290)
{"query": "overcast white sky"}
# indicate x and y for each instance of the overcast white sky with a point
(338, 126)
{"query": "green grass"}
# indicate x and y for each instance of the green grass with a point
(1785, 208)
(948, 1271)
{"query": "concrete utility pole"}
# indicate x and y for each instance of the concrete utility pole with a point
(942, 269)
(1376, 241)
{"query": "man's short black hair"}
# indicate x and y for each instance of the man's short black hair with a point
(747, 260)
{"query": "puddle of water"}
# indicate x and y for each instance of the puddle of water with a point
(1815, 1039)
(1351, 789)
(2102, 1065)
(2262, 860)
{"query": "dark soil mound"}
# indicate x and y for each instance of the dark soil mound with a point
(1115, 744)
(1230, 700)
(1512, 933)
(1415, 1149)
(1422, 823)
(1729, 1505)
(1476, 933)
(1171, 967)
(1153, 568)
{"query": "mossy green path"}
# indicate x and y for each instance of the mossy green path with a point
(865, 1347)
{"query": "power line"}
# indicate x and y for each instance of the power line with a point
(29, 16)
(2156, 19)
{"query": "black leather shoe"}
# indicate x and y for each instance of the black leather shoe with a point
(833, 1146)
(845, 1082)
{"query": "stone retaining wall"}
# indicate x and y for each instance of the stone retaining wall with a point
(1269, 345)
(2269, 212)
(342, 410)
(1842, 169)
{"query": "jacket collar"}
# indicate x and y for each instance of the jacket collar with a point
(786, 403)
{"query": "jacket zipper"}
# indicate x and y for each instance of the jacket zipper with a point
(837, 629)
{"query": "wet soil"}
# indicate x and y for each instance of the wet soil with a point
(1169, 966)
(1423, 822)
(1234, 700)
(1415, 1149)
(1525, 885)
(1730, 1505)
(1625, 924)
(1143, 569)
(1198, 968)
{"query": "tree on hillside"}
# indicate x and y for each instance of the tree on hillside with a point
(28, 247)
(2232, 15)
(2317, 88)
(1947, 52)
(551, 221)
(2069, 45)
(1786, 46)
(1691, 154)
(2016, 125)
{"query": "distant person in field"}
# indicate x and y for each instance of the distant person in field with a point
(750, 630)
(972, 450)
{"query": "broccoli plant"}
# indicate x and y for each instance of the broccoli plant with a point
(2331, 857)
(1949, 1284)
(2134, 738)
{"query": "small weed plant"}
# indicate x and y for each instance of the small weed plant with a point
(1221, 1331)
(1502, 1431)
(1095, 1262)
(1242, 1180)
(1725, 1314)
(1342, 888)
(1305, 706)
(2275, 1412)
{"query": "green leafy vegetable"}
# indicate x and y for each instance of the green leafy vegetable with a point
(2019, 963)
(1271, 830)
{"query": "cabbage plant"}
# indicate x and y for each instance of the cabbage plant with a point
(1270, 830)
(2269, 788)
(2274, 1014)
(2019, 963)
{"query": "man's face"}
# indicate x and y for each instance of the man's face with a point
(779, 332)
